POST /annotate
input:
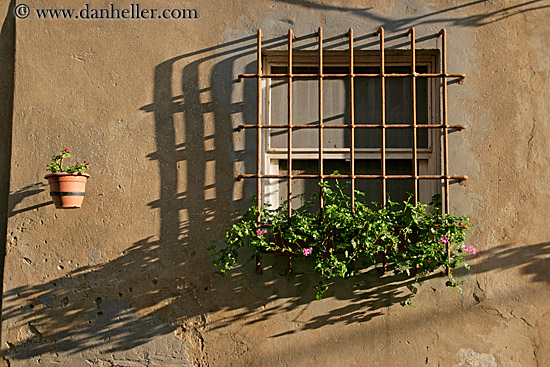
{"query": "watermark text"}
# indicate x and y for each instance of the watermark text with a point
(134, 11)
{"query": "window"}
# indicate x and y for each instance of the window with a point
(336, 111)
(356, 117)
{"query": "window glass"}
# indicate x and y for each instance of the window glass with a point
(336, 108)
(398, 189)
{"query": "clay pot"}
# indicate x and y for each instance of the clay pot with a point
(67, 189)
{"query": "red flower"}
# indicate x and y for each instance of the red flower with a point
(66, 150)
(87, 163)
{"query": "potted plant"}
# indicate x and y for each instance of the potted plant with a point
(67, 185)
(411, 238)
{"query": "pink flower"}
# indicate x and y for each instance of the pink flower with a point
(470, 249)
(261, 232)
(307, 251)
(444, 240)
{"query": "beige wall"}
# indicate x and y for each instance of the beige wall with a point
(7, 58)
(126, 279)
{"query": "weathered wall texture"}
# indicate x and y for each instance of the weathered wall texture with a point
(7, 58)
(126, 279)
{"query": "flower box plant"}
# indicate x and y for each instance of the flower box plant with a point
(67, 185)
(410, 236)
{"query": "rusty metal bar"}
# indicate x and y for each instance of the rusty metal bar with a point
(413, 122)
(289, 141)
(383, 114)
(259, 124)
(460, 77)
(357, 126)
(289, 131)
(289, 265)
(259, 139)
(383, 130)
(352, 119)
(443, 34)
(321, 136)
(388, 177)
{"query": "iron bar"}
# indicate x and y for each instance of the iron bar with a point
(289, 131)
(413, 122)
(352, 119)
(259, 124)
(383, 129)
(321, 135)
(382, 114)
(443, 34)
(259, 138)
(460, 77)
(378, 176)
(289, 140)
(289, 265)
(357, 126)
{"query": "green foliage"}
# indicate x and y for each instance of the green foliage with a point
(57, 163)
(413, 237)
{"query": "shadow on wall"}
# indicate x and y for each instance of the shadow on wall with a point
(17, 197)
(158, 285)
(94, 308)
(403, 24)
(531, 260)
(7, 61)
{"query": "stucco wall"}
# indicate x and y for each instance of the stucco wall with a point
(126, 280)
(7, 58)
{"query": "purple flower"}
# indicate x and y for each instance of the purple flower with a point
(307, 251)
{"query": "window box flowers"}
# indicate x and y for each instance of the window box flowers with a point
(412, 238)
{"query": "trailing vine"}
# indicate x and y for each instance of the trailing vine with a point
(412, 237)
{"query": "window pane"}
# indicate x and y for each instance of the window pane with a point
(397, 189)
(336, 108)
(305, 108)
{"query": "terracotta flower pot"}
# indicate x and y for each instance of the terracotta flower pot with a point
(67, 189)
